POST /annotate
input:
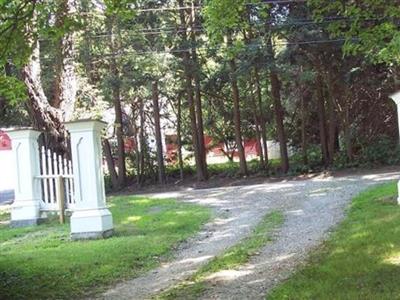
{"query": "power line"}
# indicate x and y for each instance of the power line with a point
(174, 30)
(255, 46)
(157, 9)
(218, 48)
(200, 7)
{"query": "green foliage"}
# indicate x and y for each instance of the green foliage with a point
(378, 152)
(43, 263)
(361, 260)
(370, 27)
(234, 256)
(382, 151)
(12, 89)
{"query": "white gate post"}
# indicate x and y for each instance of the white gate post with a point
(396, 99)
(25, 210)
(90, 218)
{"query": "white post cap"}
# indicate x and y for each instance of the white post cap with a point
(396, 97)
(85, 125)
(23, 133)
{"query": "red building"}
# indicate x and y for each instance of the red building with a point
(5, 141)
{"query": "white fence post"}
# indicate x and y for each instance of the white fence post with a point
(26, 206)
(90, 218)
(396, 99)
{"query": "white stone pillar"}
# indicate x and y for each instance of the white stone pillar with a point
(25, 211)
(396, 99)
(91, 218)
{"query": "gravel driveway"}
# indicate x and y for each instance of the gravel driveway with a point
(311, 208)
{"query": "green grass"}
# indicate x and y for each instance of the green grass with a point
(43, 263)
(233, 257)
(362, 258)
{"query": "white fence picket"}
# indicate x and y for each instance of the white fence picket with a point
(71, 182)
(51, 180)
(53, 166)
(66, 182)
(45, 180)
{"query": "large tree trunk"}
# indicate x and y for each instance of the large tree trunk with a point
(116, 96)
(157, 129)
(189, 90)
(65, 82)
(236, 114)
(43, 116)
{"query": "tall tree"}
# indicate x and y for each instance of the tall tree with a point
(116, 97)
(187, 62)
(157, 129)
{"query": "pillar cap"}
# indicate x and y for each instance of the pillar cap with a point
(85, 125)
(23, 132)
(396, 97)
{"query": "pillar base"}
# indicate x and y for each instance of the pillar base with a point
(91, 224)
(24, 223)
(25, 213)
(92, 235)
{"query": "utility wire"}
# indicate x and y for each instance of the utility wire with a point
(174, 30)
(254, 45)
(267, 2)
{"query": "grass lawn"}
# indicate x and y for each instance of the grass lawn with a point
(43, 263)
(362, 258)
(231, 258)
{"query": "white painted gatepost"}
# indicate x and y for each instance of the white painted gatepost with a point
(396, 99)
(25, 210)
(43, 181)
(90, 218)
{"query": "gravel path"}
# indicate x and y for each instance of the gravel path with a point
(311, 208)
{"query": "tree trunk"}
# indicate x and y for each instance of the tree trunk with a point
(304, 100)
(279, 113)
(142, 142)
(157, 129)
(189, 90)
(279, 116)
(65, 83)
(43, 116)
(116, 96)
(261, 116)
(236, 114)
(179, 136)
(110, 163)
(347, 134)
(331, 124)
(322, 120)
(257, 127)
(197, 95)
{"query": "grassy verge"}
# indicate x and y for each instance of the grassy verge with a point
(361, 260)
(233, 257)
(43, 263)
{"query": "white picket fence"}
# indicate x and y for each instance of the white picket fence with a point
(57, 181)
